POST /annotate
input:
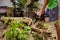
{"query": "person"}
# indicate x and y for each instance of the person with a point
(57, 25)
(52, 10)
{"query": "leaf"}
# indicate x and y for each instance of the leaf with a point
(23, 2)
(27, 28)
(15, 30)
(21, 24)
(36, 4)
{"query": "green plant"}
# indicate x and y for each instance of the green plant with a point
(17, 31)
(24, 5)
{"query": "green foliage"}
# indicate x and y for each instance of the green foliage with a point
(23, 2)
(36, 4)
(18, 31)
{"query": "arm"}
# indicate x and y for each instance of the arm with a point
(42, 9)
(44, 5)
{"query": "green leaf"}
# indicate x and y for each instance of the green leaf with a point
(23, 2)
(15, 29)
(36, 4)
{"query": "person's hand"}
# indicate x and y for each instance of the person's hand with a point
(39, 13)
